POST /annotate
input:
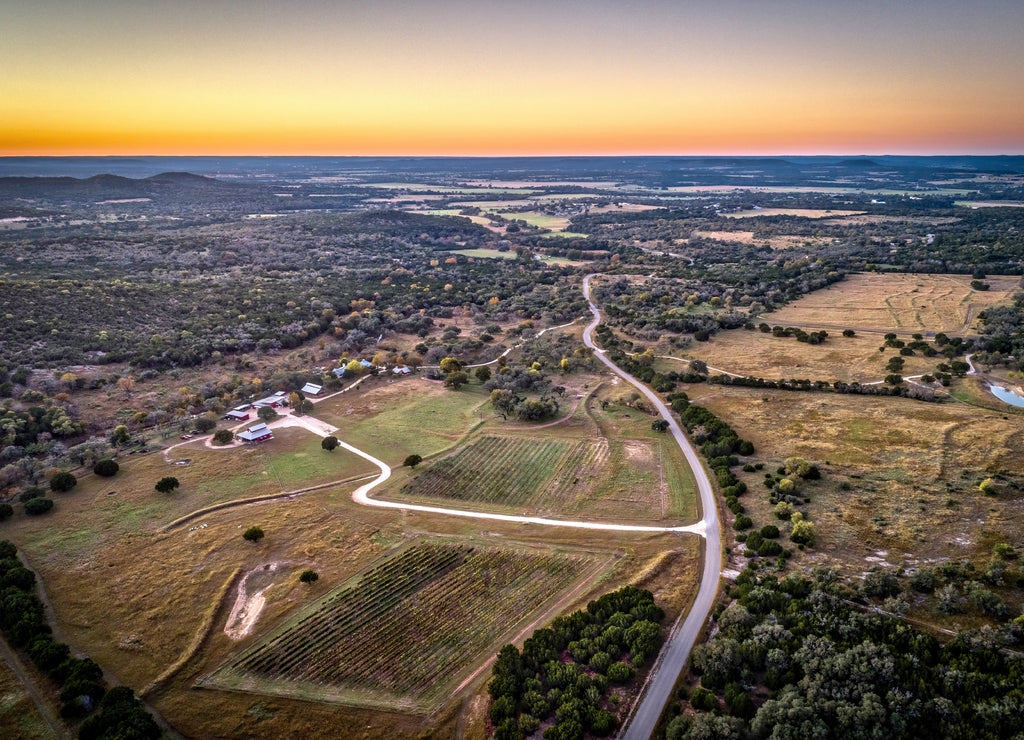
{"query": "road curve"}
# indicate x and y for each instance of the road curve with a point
(362, 494)
(641, 723)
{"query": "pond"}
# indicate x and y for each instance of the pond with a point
(1004, 394)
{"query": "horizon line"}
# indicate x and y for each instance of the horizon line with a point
(519, 156)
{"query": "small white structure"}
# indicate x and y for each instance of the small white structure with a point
(312, 389)
(278, 399)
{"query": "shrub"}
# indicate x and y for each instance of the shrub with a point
(37, 506)
(205, 424)
(253, 534)
(620, 672)
(30, 493)
(166, 484)
(412, 461)
(6, 512)
(223, 437)
(330, 443)
(63, 482)
(743, 522)
(308, 576)
(703, 699)
(106, 468)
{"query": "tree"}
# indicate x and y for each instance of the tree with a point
(412, 461)
(455, 380)
(803, 531)
(166, 484)
(450, 365)
(699, 366)
(120, 435)
(659, 425)
(330, 443)
(6, 512)
(295, 400)
(266, 413)
(253, 534)
(205, 424)
(309, 576)
(483, 374)
(106, 468)
(37, 506)
(63, 482)
(223, 436)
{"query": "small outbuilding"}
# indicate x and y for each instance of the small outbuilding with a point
(312, 389)
(236, 415)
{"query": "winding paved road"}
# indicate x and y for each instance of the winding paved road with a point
(640, 725)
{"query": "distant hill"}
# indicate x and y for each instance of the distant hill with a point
(106, 186)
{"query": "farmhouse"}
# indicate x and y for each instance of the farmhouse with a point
(312, 389)
(257, 433)
(275, 401)
(236, 415)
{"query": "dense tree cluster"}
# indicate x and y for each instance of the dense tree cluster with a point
(796, 658)
(564, 677)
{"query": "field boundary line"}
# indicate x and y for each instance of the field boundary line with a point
(256, 500)
(197, 641)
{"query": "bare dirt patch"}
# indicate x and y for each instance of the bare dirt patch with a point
(249, 601)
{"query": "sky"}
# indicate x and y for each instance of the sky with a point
(527, 77)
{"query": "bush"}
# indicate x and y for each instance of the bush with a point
(63, 482)
(308, 576)
(166, 484)
(31, 493)
(703, 699)
(253, 534)
(620, 672)
(743, 522)
(330, 443)
(412, 461)
(37, 506)
(106, 468)
(6, 512)
(205, 424)
(223, 437)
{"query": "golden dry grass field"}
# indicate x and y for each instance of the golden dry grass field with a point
(896, 302)
(911, 470)
(759, 355)
(778, 241)
(800, 212)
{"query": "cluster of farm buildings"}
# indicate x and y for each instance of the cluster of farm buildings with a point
(261, 432)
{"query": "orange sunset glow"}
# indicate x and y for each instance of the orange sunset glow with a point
(486, 78)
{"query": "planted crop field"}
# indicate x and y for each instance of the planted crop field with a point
(401, 635)
(513, 471)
